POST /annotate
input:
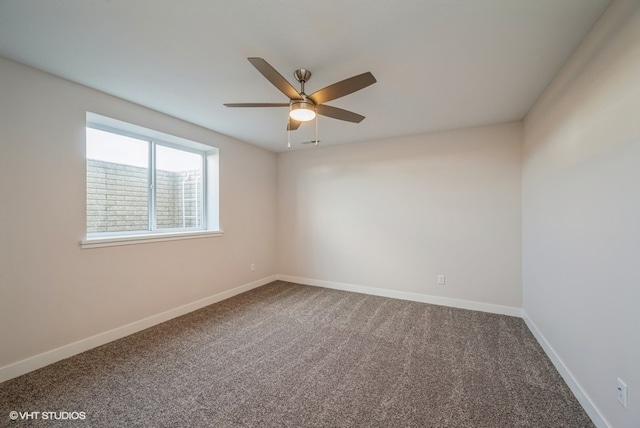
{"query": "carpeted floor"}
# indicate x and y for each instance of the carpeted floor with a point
(287, 355)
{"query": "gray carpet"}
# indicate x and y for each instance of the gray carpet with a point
(287, 355)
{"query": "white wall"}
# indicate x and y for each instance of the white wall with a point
(581, 214)
(393, 214)
(52, 293)
(381, 214)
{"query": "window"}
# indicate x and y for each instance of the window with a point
(141, 185)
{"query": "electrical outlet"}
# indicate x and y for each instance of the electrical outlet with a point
(440, 279)
(253, 267)
(622, 393)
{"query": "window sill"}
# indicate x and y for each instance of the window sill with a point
(113, 241)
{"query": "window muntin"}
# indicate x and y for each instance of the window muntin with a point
(138, 185)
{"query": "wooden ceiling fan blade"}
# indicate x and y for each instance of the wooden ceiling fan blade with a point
(256, 104)
(276, 79)
(342, 88)
(293, 124)
(338, 113)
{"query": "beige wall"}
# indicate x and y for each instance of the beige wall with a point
(52, 293)
(581, 206)
(393, 214)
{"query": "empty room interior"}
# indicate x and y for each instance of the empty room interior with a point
(298, 213)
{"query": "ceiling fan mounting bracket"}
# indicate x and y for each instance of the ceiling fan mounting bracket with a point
(302, 75)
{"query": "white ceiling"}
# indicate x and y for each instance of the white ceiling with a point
(440, 64)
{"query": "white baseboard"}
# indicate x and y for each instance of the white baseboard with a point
(38, 361)
(405, 295)
(584, 400)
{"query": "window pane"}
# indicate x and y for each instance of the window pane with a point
(178, 188)
(117, 183)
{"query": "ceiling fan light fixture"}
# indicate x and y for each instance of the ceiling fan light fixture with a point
(302, 111)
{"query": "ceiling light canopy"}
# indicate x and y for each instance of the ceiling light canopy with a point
(302, 111)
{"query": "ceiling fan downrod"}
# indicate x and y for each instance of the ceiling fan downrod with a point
(302, 75)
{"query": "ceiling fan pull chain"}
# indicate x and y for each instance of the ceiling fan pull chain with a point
(316, 130)
(289, 129)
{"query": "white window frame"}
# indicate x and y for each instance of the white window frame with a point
(208, 208)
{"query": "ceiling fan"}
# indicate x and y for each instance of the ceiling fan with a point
(303, 107)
